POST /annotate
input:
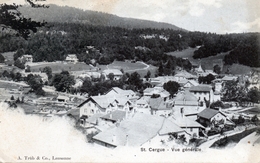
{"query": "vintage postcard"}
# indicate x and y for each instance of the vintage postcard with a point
(129, 81)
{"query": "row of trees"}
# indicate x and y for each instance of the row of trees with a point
(232, 91)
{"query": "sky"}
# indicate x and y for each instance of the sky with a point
(217, 16)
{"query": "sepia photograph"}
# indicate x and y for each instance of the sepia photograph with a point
(129, 81)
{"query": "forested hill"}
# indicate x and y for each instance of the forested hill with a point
(73, 15)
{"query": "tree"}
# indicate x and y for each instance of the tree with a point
(135, 80)
(63, 81)
(216, 105)
(2, 59)
(48, 72)
(217, 69)
(28, 68)
(111, 76)
(172, 87)
(207, 79)
(18, 63)
(233, 92)
(148, 75)
(13, 20)
(254, 95)
(36, 84)
(86, 86)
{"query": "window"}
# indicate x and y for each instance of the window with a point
(89, 104)
(85, 110)
(92, 111)
(191, 129)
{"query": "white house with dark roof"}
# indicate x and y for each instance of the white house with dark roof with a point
(202, 92)
(209, 117)
(117, 73)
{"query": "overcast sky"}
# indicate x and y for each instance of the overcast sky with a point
(220, 16)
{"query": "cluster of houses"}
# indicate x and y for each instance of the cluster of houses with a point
(123, 117)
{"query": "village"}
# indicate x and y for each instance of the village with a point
(192, 115)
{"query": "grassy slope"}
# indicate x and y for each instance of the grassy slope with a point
(208, 62)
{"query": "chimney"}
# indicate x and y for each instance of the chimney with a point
(182, 112)
(114, 138)
(126, 141)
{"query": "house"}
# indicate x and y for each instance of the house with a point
(184, 75)
(186, 103)
(142, 105)
(117, 74)
(157, 91)
(161, 107)
(94, 105)
(229, 78)
(104, 104)
(114, 117)
(78, 82)
(90, 122)
(190, 83)
(62, 98)
(137, 130)
(203, 92)
(27, 58)
(161, 80)
(211, 117)
(71, 58)
(116, 91)
(190, 126)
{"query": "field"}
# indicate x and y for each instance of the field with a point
(129, 67)
(59, 66)
(254, 111)
(207, 63)
(9, 55)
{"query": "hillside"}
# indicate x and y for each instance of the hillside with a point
(69, 14)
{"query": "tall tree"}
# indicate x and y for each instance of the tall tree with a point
(172, 87)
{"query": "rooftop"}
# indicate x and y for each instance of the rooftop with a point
(134, 131)
(201, 88)
(208, 113)
(115, 115)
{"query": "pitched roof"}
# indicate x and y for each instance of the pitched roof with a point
(193, 82)
(93, 118)
(185, 122)
(201, 88)
(102, 100)
(185, 96)
(114, 71)
(115, 115)
(209, 113)
(229, 78)
(160, 104)
(169, 127)
(185, 74)
(137, 130)
(122, 92)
